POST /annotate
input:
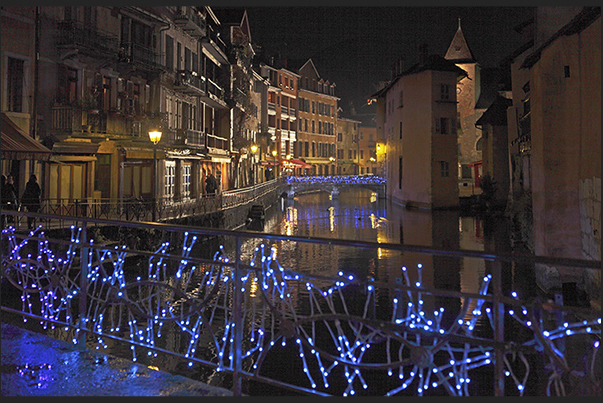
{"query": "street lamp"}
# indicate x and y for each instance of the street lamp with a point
(155, 137)
(254, 149)
(275, 169)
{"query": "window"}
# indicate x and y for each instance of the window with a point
(67, 84)
(400, 101)
(15, 81)
(106, 93)
(566, 71)
(169, 52)
(339, 137)
(444, 92)
(400, 129)
(339, 154)
(400, 173)
(313, 127)
(478, 145)
(313, 149)
(186, 180)
(349, 154)
(444, 169)
(170, 178)
(442, 125)
(313, 107)
(465, 171)
(361, 154)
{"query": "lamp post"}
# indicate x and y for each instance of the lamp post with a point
(254, 149)
(275, 169)
(155, 136)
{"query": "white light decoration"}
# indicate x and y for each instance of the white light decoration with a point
(334, 342)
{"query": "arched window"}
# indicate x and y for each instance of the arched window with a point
(478, 145)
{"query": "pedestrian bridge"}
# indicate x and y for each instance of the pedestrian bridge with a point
(333, 184)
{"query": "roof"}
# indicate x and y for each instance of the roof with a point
(17, 145)
(496, 114)
(459, 51)
(490, 81)
(581, 21)
(432, 63)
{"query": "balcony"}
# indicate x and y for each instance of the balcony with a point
(189, 137)
(214, 46)
(66, 119)
(141, 56)
(192, 23)
(189, 82)
(214, 95)
(217, 143)
(87, 40)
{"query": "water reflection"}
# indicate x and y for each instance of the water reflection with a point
(358, 214)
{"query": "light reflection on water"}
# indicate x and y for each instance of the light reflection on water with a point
(360, 215)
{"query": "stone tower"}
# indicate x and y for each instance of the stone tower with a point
(468, 92)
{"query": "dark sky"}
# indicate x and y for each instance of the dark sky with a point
(355, 46)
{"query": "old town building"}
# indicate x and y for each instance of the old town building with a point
(317, 116)
(104, 77)
(421, 136)
(22, 152)
(281, 121)
(347, 146)
(564, 109)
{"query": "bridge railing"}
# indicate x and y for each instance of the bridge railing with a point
(221, 301)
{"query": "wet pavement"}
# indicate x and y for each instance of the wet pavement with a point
(36, 365)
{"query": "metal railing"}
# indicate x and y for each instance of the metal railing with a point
(54, 210)
(234, 309)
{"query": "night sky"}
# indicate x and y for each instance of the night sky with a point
(356, 46)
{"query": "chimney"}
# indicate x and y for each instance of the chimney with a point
(400, 65)
(423, 53)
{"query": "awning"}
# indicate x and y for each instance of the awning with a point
(75, 146)
(17, 145)
(297, 163)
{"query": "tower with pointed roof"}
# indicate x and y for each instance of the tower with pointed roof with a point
(468, 93)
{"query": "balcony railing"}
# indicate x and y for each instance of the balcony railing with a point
(66, 119)
(192, 23)
(86, 39)
(216, 46)
(190, 82)
(189, 137)
(139, 55)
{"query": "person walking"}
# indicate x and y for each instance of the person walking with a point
(9, 196)
(31, 199)
(210, 184)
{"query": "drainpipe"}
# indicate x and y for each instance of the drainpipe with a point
(33, 124)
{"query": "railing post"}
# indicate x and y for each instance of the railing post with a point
(238, 321)
(81, 343)
(499, 329)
